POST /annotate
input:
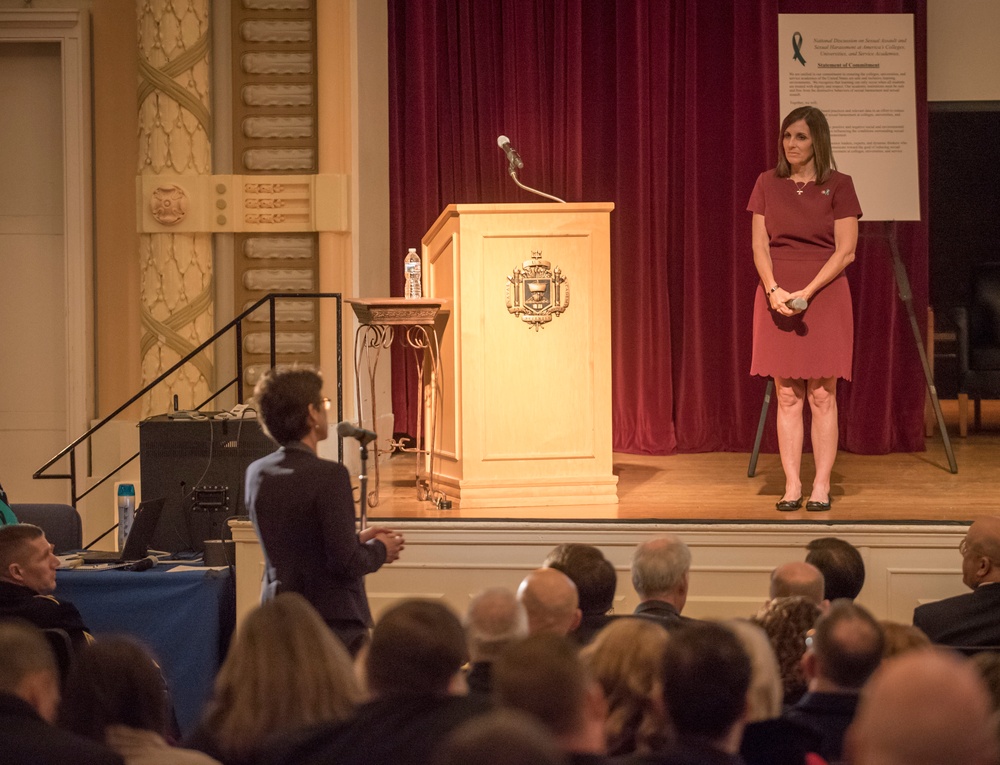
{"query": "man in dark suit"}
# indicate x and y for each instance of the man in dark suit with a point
(842, 652)
(972, 619)
(302, 508)
(660, 572)
(28, 579)
(29, 698)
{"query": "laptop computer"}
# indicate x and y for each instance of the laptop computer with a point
(147, 515)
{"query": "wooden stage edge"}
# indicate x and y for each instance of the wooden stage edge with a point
(905, 488)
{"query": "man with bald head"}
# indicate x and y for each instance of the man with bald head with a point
(660, 575)
(551, 601)
(972, 619)
(925, 707)
(495, 619)
(798, 578)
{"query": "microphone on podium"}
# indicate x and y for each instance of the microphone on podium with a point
(512, 156)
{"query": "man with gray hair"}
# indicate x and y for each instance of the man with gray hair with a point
(798, 578)
(495, 619)
(660, 569)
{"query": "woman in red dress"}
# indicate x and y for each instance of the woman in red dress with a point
(805, 229)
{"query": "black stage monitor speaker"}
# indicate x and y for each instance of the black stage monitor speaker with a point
(199, 466)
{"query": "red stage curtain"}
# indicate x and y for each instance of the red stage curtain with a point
(669, 109)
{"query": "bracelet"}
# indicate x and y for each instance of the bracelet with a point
(772, 289)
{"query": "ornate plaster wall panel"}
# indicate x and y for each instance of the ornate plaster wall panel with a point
(176, 266)
(274, 113)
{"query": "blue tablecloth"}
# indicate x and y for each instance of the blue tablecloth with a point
(185, 617)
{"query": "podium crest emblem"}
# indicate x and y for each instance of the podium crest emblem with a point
(536, 292)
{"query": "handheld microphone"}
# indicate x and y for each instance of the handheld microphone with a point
(512, 156)
(145, 564)
(798, 304)
(348, 430)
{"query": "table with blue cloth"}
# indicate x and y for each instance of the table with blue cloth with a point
(185, 617)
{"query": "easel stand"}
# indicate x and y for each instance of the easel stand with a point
(906, 295)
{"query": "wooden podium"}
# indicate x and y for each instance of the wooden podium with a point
(523, 405)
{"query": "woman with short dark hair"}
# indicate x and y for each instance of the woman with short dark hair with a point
(302, 507)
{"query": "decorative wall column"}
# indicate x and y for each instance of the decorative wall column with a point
(174, 129)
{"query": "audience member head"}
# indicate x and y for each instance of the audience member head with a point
(981, 552)
(501, 737)
(551, 601)
(842, 566)
(900, 638)
(797, 578)
(284, 397)
(417, 646)
(285, 670)
(844, 649)
(766, 690)
(706, 676)
(626, 658)
(27, 558)
(786, 622)
(495, 619)
(987, 664)
(113, 681)
(27, 667)
(591, 572)
(544, 676)
(923, 708)
(660, 570)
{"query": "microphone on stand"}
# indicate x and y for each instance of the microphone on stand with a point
(514, 164)
(347, 430)
(512, 156)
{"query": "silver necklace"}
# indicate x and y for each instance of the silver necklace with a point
(800, 189)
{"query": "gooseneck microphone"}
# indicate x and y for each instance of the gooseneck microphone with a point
(512, 156)
(514, 164)
(347, 430)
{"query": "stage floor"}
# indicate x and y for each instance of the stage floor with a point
(704, 488)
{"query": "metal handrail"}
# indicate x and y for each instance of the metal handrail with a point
(237, 324)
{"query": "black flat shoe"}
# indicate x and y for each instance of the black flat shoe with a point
(787, 505)
(817, 507)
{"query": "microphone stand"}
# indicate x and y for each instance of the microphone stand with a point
(512, 170)
(363, 481)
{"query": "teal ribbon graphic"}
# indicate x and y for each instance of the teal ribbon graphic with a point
(797, 47)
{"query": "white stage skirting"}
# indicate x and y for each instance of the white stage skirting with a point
(451, 561)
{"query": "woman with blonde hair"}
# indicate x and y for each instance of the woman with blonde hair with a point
(768, 739)
(626, 658)
(285, 672)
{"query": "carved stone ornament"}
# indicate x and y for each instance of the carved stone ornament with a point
(169, 204)
(536, 292)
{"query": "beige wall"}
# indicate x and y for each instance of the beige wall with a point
(116, 243)
(963, 57)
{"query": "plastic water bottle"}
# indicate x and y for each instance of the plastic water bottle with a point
(126, 511)
(411, 272)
